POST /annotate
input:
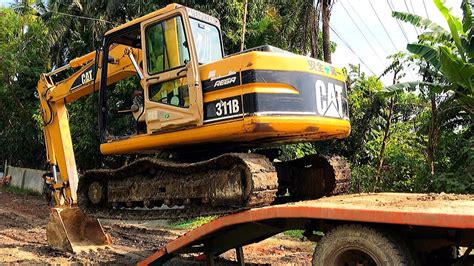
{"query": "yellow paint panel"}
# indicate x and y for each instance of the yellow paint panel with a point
(268, 61)
(282, 129)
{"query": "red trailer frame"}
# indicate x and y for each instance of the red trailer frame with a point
(449, 217)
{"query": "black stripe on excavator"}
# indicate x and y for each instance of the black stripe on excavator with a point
(317, 95)
(223, 109)
(221, 82)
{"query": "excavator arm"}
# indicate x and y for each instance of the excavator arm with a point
(69, 229)
(55, 95)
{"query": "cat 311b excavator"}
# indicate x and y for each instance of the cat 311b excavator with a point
(219, 119)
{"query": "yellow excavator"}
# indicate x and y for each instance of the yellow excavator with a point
(218, 119)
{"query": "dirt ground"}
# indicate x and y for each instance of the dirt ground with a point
(23, 221)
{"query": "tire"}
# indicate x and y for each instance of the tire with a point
(361, 245)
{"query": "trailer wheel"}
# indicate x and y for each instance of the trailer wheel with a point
(361, 245)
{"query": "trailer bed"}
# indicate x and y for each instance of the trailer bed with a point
(424, 210)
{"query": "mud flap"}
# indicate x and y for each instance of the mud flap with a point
(69, 229)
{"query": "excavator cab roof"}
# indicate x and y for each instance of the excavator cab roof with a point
(191, 12)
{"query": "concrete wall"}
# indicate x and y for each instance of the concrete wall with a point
(26, 178)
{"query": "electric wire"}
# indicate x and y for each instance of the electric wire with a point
(353, 51)
(82, 17)
(392, 8)
(398, 22)
(383, 26)
(412, 7)
(367, 27)
(412, 12)
(350, 48)
(426, 10)
(363, 35)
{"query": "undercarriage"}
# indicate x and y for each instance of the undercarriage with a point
(152, 188)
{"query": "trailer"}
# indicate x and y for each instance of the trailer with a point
(358, 229)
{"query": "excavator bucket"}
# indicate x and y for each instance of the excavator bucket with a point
(69, 229)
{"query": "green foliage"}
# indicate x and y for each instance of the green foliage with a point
(456, 155)
(444, 127)
(297, 234)
(294, 151)
(434, 30)
(192, 223)
(451, 54)
(18, 191)
(24, 57)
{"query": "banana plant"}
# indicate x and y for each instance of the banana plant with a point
(451, 52)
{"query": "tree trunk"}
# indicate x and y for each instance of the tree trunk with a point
(315, 32)
(386, 134)
(326, 14)
(432, 135)
(434, 128)
(244, 27)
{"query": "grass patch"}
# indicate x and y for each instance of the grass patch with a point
(18, 191)
(298, 234)
(192, 223)
(294, 233)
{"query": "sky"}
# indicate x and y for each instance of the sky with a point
(371, 47)
(5, 3)
(374, 54)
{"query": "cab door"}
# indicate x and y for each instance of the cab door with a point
(172, 86)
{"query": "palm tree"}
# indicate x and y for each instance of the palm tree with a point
(326, 6)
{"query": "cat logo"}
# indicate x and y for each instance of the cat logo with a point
(86, 77)
(329, 99)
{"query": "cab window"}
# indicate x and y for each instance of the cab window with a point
(172, 92)
(207, 40)
(166, 46)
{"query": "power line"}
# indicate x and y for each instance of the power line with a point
(350, 48)
(363, 35)
(412, 7)
(398, 22)
(368, 28)
(353, 51)
(82, 17)
(402, 29)
(413, 12)
(383, 26)
(426, 10)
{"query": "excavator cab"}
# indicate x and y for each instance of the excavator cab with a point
(165, 51)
